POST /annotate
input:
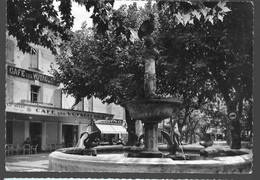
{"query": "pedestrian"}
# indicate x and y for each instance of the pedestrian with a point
(27, 141)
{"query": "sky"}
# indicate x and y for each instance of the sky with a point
(81, 15)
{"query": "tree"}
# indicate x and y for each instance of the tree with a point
(38, 22)
(103, 66)
(237, 81)
(232, 69)
(205, 59)
(247, 121)
(216, 110)
(197, 58)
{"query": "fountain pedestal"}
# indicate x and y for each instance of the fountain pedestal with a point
(151, 112)
(151, 136)
(151, 147)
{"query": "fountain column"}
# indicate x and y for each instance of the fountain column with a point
(149, 78)
(150, 126)
(151, 135)
(151, 109)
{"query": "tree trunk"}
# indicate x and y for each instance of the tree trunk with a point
(228, 133)
(235, 126)
(186, 137)
(194, 137)
(235, 135)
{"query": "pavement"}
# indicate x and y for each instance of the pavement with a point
(27, 163)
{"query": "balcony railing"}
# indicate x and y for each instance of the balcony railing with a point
(24, 101)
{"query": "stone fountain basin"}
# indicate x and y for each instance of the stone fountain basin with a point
(151, 109)
(118, 163)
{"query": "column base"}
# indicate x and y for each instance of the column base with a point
(141, 152)
(151, 154)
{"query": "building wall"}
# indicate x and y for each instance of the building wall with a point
(94, 105)
(51, 132)
(98, 106)
(68, 101)
(17, 88)
(52, 96)
(117, 110)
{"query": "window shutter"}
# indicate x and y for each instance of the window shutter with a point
(35, 60)
(39, 55)
(10, 50)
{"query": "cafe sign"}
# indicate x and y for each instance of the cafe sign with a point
(37, 110)
(22, 73)
(110, 121)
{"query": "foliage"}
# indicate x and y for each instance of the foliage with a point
(102, 67)
(205, 59)
(216, 111)
(38, 22)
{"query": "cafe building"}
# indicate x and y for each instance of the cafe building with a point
(37, 108)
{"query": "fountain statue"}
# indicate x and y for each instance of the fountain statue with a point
(172, 146)
(207, 138)
(88, 141)
(140, 140)
(151, 109)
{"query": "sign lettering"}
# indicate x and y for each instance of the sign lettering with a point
(18, 72)
(110, 121)
(20, 108)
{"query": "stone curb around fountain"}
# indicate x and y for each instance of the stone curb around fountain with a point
(118, 163)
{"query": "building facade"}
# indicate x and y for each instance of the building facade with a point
(37, 108)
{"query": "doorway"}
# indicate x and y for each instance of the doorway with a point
(69, 135)
(9, 132)
(36, 134)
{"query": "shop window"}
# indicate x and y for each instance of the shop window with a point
(69, 135)
(10, 50)
(34, 93)
(35, 130)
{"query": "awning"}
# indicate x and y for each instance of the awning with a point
(111, 129)
(37, 112)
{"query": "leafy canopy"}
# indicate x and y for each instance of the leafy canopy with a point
(111, 67)
(38, 22)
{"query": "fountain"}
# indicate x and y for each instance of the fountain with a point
(151, 110)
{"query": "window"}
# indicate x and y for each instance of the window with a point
(34, 93)
(36, 60)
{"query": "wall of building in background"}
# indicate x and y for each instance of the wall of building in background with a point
(18, 86)
(25, 71)
(94, 105)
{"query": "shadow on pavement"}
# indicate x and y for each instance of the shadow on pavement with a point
(33, 162)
